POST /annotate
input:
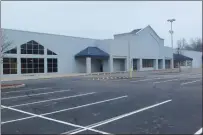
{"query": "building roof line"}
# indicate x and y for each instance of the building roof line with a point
(49, 33)
(135, 31)
(155, 32)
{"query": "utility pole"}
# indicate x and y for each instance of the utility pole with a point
(171, 32)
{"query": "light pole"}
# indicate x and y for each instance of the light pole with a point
(129, 60)
(171, 32)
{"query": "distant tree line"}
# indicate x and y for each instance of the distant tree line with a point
(194, 44)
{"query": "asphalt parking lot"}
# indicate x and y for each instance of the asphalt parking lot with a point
(158, 104)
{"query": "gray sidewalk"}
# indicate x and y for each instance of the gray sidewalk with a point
(103, 75)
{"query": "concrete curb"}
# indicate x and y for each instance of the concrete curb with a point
(10, 87)
(38, 77)
(113, 78)
(121, 72)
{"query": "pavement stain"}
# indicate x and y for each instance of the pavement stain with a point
(36, 110)
(96, 114)
(75, 120)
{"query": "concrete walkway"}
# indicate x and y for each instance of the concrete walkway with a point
(112, 74)
(42, 76)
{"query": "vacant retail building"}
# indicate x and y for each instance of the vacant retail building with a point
(40, 53)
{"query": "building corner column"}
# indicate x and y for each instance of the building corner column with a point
(110, 64)
(88, 65)
(127, 64)
(18, 65)
(45, 65)
(172, 63)
(140, 65)
(163, 66)
(1, 67)
(186, 63)
(156, 66)
(18, 60)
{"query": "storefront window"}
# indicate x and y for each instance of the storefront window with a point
(9, 65)
(52, 65)
(146, 63)
(32, 65)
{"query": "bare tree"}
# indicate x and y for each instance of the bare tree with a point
(5, 45)
(180, 46)
(194, 44)
(182, 43)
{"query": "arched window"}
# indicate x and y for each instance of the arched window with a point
(50, 52)
(12, 51)
(32, 47)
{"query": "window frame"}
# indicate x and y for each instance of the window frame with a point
(32, 47)
(12, 51)
(32, 65)
(147, 63)
(49, 52)
(52, 65)
(11, 65)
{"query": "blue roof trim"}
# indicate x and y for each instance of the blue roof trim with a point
(93, 52)
(181, 57)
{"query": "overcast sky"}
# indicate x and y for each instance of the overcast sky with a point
(102, 19)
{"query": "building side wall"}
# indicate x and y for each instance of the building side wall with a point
(64, 46)
(167, 52)
(196, 56)
(80, 65)
(146, 44)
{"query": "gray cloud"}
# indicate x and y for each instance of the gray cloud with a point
(102, 19)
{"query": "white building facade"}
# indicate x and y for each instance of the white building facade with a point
(34, 53)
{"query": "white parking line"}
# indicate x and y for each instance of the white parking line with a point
(146, 80)
(166, 81)
(115, 118)
(194, 77)
(54, 120)
(199, 132)
(190, 82)
(42, 101)
(26, 90)
(99, 102)
(25, 118)
(72, 108)
(35, 94)
(195, 74)
(184, 75)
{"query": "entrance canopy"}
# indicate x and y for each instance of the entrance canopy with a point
(93, 52)
(181, 57)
